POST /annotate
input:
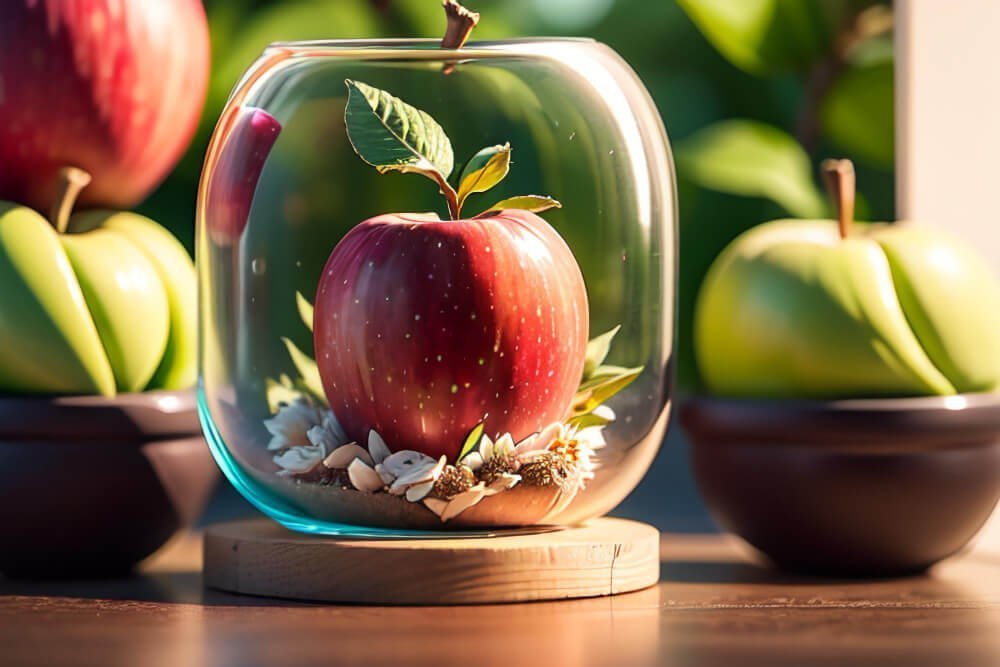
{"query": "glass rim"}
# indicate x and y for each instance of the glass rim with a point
(407, 43)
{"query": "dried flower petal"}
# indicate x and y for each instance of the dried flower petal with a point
(449, 509)
(363, 477)
(406, 461)
(289, 426)
(343, 455)
(463, 501)
(473, 461)
(386, 476)
(329, 434)
(418, 475)
(502, 482)
(298, 460)
(377, 448)
(417, 492)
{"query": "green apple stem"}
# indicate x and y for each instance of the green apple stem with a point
(839, 178)
(71, 181)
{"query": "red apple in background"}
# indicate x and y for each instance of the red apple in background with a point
(111, 86)
(423, 327)
(233, 181)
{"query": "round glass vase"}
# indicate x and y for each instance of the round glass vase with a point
(282, 186)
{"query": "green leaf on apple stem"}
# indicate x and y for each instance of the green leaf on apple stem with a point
(597, 351)
(471, 440)
(533, 203)
(483, 171)
(308, 371)
(305, 310)
(391, 135)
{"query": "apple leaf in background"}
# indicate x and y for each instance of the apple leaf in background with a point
(857, 113)
(597, 351)
(484, 170)
(752, 159)
(305, 310)
(308, 372)
(285, 391)
(533, 203)
(768, 36)
(391, 135)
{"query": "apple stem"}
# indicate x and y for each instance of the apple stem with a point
(460, 23)
(454, 207)
(71, 181)
(839, 178)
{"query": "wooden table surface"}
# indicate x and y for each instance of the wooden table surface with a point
(713, 606)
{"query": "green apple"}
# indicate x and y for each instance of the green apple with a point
(823, 309)
(98, 303)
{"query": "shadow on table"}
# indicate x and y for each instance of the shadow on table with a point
(163, 587)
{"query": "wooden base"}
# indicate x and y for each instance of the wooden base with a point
(603, 557)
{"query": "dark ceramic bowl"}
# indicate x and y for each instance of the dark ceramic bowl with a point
(870, 487)
(89, 486)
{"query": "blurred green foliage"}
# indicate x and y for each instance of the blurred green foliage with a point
(754, 93)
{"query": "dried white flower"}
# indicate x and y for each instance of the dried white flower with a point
(417, 474)
(290, 425)
(298, 460)
(406, 461)
(329, 434)
(363, 477)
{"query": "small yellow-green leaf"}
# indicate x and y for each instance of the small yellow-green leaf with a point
(308, 372)
(391, 135)
(472, 440)
(305, 310)
(484, 170)
(533, 203)
(608, 381)
(597, 351)
(587, 420)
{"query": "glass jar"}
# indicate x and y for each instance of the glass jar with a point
(384, 437)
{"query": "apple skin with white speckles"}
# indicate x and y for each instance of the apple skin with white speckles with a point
(424, 326)
(115, 87)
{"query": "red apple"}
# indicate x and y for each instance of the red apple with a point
(423, 327)
(233, 181)
(111, 86)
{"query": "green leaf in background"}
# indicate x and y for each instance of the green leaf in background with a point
(308, 371)
(597, 351)
(752, 159)
(533, 203)
(305, 310)
(391, 135)
(857, 114)
(483, 171)
(767, 36)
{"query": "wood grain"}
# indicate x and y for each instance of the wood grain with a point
(604, 557)
(715, 605)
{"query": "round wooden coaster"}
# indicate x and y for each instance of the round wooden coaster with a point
(603, 557)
